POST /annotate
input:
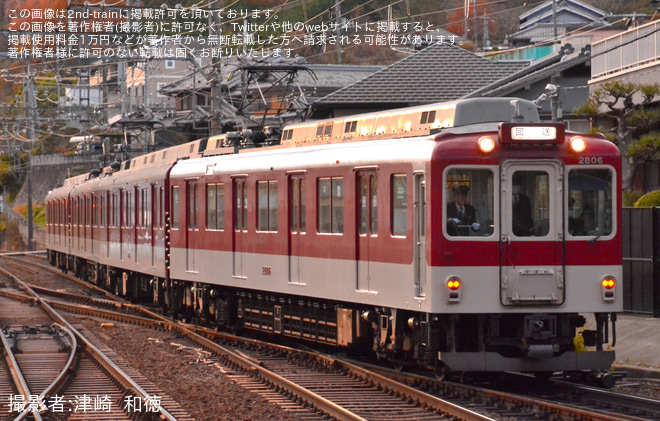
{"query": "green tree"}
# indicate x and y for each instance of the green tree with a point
(627, 104)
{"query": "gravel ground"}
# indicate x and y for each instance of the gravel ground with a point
(200, 388)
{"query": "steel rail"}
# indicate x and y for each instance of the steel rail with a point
(17, 377)
(245, 364)
(107, 364)
(61, 378)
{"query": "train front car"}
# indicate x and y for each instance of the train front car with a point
(525, 256)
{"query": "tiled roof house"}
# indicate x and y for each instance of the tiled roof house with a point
(441, 72)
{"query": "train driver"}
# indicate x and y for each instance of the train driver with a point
(461, 216)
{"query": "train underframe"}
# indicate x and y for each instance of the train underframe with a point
(533, 342)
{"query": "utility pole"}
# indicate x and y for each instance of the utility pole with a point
(554, 20)
(467, 16)
(30, 104)
(215, 125)
(338, 29)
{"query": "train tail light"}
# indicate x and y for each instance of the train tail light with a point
(608, 286)
(454, 288)
(486, 144)
(578, 144)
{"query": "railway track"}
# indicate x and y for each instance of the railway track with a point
(334, 383)
(364, 392)
(56, 371)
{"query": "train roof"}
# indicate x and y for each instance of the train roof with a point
(410, 122)
(390, 150)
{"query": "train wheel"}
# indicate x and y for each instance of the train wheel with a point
(399, 360)
(543, 375)
(441, 371)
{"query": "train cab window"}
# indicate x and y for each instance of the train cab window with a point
(589, 205)
(530, 203)
(330, 205)
(175, 207)
(267, 206)
(469, 204)
(215, 207)
(399, 202)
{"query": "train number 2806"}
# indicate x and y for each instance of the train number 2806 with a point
(590, 160)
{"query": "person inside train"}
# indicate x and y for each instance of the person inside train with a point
(461, 216)
(523, 222)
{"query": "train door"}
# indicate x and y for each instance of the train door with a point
(192, 225)
(531, 259)
(240, 225)
(419, 221)
(297, 225)
(366, 225)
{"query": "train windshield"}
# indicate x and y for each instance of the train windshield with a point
(530, 203)
(590, 202)
(469, 202)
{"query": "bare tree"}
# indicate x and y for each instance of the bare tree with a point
(627, 104)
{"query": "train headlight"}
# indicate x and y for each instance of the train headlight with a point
(486, 144)
(608, 286)
(454, 288)
(578, 144)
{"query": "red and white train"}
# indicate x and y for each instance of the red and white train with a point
(464, 235)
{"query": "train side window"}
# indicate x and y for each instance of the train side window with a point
(130, 209)
(240, 204)
(192, 206)
(161, 207)
(267, 206)
(469, 208)
(146, 209)
(330, 205)
(175, 207)
(297, 205)
(103, 209)
(589, 205)
(215, 207)
(399, 203)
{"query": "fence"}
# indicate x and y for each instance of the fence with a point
(641, 260)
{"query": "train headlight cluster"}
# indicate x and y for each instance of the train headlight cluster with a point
(608, 285)
(486, 144)
(454, 287)
(578, 144)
